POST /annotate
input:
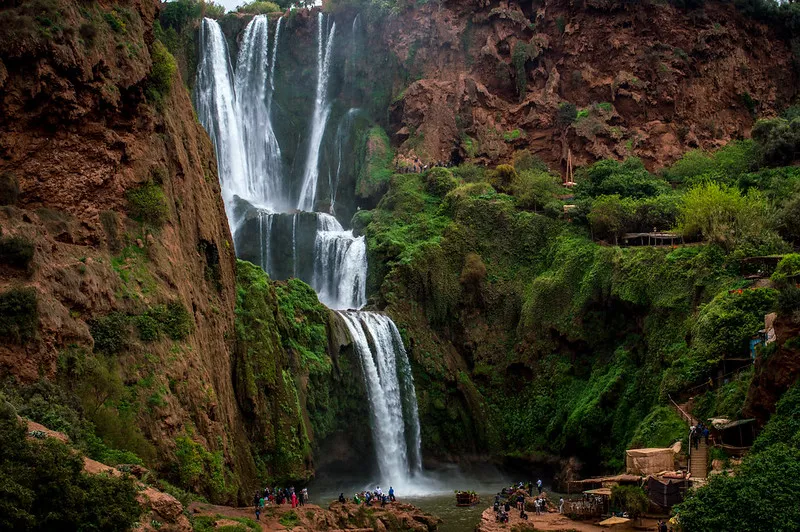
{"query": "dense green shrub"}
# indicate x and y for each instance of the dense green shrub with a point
(469, 173)
(722, 215)
(162, 72)
(503, 177)
(534, 189)
(631, 499)
(179, 14)
(524, 160)
(440, 181)
(787, 270)
(111, 333)
(661, 428)
(610, 216)
(44, 486)
(778, 140)
(626, 179)
(148, 204)
(9, 189)
(19, 315)
(375, 166)
(16, 251)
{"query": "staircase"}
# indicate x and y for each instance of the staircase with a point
(698, 459)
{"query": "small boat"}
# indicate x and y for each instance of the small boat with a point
(467, 498)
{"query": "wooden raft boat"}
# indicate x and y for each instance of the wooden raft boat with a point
(466, 498)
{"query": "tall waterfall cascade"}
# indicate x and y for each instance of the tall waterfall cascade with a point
(319, 119)
(235, 107)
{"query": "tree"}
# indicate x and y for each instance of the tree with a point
(631, 499)
(719, 214)
(536, 188)
(43, 486)
(628, 179)
(609, 217)
(778, 140)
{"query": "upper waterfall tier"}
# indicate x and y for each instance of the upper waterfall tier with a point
(313, 247)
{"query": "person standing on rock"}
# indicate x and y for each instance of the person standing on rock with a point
(391, 494)
(294, 500)
(539, 486)
(561, 505)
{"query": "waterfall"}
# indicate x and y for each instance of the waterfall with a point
(272, 64)
(235, 108)
(263, 153)
(216, 109)
(343, 134)
(390, 391)
(265, 237)
(308, 192)
(340, 265)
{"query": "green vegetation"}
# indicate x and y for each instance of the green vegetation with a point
(148, 204)
(259, 8)
(290, 519)
(549, 321)
(375, 157)
(159, 81)
(631, 499)
(16, 251)
(44, 486)
(201, 470)
(761, 495)
(19, 315)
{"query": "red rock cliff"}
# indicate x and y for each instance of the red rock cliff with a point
(81, 128)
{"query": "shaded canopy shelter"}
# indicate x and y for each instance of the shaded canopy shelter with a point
(737, 435)
(649, 461)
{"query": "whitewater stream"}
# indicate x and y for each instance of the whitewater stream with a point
(234, 104)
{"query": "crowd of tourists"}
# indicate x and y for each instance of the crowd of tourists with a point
(279, 496)
(368, 498)
(515, 495)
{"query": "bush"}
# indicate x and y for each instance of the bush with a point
(628, 179)
(719, 214)
(439, 181)
(525, 160)
(19, 315)
(148, 204)
(9, 189)
(787, 270)
(44, 486)
(609, 217)
(111, 333)
(172, 320)
(469, 173)
(178, 322)
(502, 177)
(162, 72)
(16, 251)
(778, 140)
(631, 499)
(535, 188)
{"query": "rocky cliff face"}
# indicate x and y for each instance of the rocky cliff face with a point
(648, 79)
(117, 269)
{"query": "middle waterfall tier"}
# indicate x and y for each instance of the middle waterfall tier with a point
(311, 246)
